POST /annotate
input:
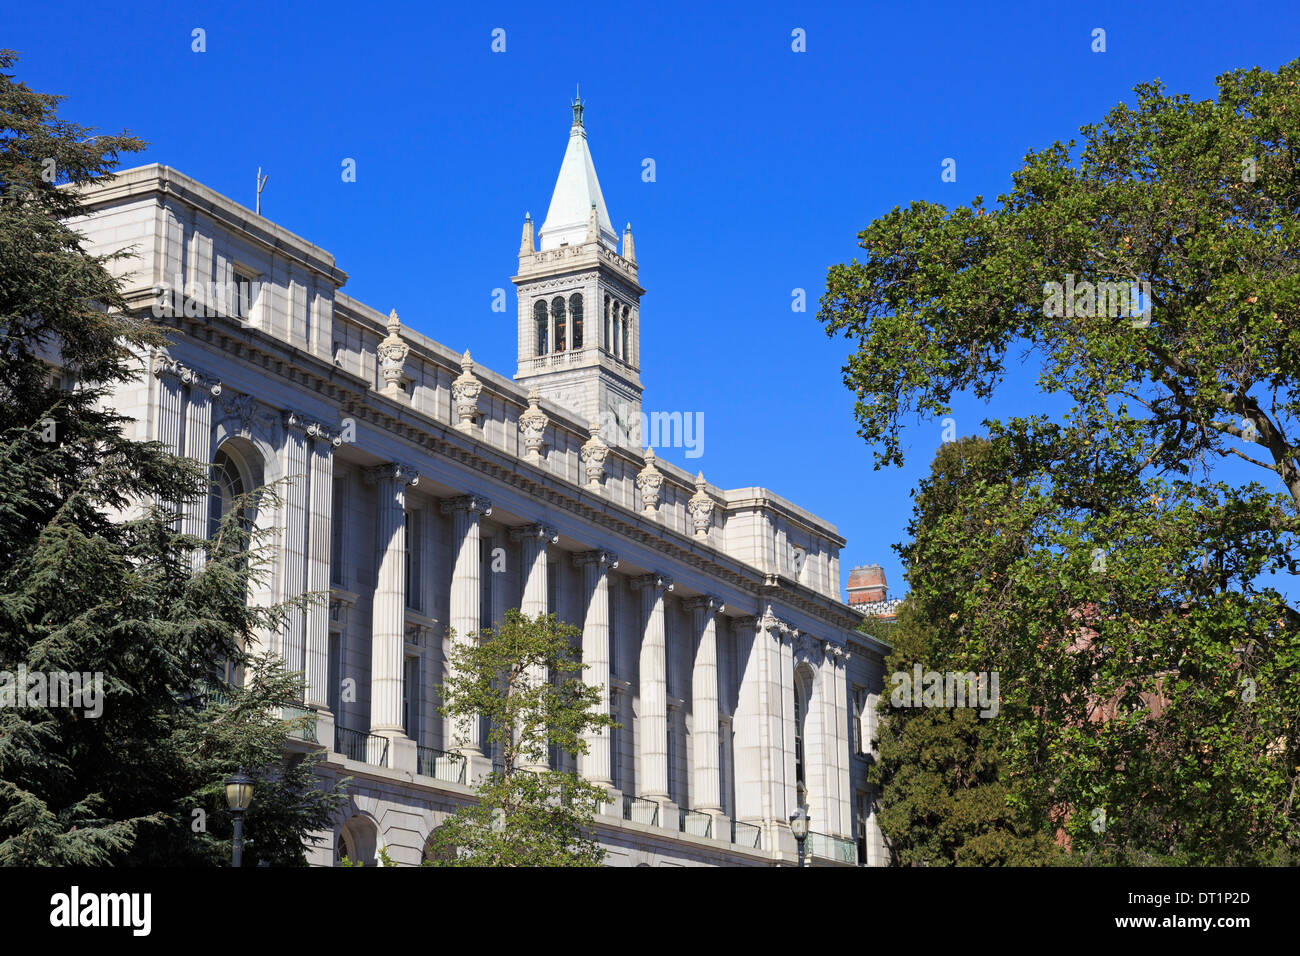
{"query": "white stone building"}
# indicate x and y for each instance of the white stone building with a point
(426, 493)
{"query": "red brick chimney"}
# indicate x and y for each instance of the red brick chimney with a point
(867, 584)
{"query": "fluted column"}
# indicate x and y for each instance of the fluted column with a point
(536, 578)
(171, 411)
(838, 738)
(388, 615)
(594, 765)
(292, 556)
(320, 527)
(534, 602)
(467, 735)
(706, 786)
(653, 686)
(776, 722)
(748, 722)
(198, 445)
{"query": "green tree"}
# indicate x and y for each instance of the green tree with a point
(1150, 676)
(945, 798)
(524, 677)
(96, 580)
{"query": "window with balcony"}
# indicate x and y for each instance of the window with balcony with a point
(542, 322)
(245, 284)
(336, 532)
(557, 316)
(575, 317)
(414, 551)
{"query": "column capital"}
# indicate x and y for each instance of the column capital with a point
(706, 603)
(745, 621)
(600, 556)
(536, 532)
(325, 433)
(466, 503)
(656, 580)
(770, 622)
(167, 367)
(394, 471)
(294, 420)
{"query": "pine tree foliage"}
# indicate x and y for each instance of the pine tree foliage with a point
(96, 579)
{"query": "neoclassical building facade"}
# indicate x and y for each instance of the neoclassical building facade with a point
(426, 495)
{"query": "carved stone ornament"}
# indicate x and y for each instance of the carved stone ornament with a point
(650, 482)
(594, 453)
(465, 391)
(392, 352)
(701, 507)
(532, 425)
(247, 410)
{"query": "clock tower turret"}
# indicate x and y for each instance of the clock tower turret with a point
(579, 303)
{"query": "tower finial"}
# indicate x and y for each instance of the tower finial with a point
(577, 106)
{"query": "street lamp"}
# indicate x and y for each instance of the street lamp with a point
(799, 827)
(239, 794)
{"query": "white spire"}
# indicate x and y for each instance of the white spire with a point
(576, 190)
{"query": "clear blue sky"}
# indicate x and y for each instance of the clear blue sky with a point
(768, 163)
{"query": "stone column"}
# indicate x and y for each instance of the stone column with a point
(654, 687)
(594, 765)
(198, 445)
(536, 577)
(838, 739)
(776, 729)
(319, 540)
(292, 558)
(533, 603)
(388, 613)
(706, 786)
(750, 801)
(466, 736)
(171, 411)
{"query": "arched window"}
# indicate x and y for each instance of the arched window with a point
(230, 480)
(235, 472)
(802, 691)
(539, 316)
(609, 329)
(557, 314)
(358, 841)
(575, 316)
(627, 339)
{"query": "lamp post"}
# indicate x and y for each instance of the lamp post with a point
(239, 794)
(799, 827)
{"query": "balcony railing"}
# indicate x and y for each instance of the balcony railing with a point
(831, 848)
(362, 747)
(440, 764)
(640, 811)
(696, 823)
(306, 730)
(746, 835)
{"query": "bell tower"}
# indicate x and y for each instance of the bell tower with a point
(579, 303)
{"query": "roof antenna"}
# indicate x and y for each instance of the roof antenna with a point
(261, 184)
